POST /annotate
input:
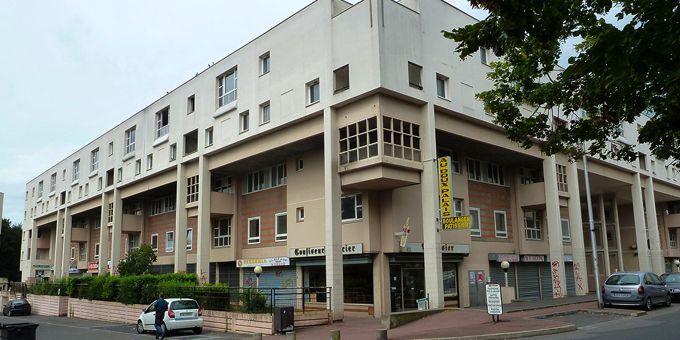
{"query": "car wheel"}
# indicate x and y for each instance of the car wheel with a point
(668, 300)
(198, 330)
(648, 304)
(140, 327)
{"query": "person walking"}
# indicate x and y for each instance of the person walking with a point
(161, 307)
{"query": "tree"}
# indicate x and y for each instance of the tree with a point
(10, 250)
(138, 261)
(617, 75)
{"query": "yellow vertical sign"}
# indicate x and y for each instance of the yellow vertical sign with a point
(444, 166)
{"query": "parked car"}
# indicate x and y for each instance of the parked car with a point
(672, 281)
(641, 289)
(16, 307)
(181, 314)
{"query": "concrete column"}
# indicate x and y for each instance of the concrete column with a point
(116, 231)
(605, 242)
(180, 248)
(578, 249)
(58, 245)
(658, 265)
(554, 226)
(202, 236)
(434, 284)
(617, 231)
(104, 235)
(381, 286)
(332, 214)
(34, 247)
(66, 254)
(640, 231)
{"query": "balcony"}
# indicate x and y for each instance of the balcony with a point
(132, 223)
(375, 174)
(80, 234)
(44, 241)
(222, 203)
(532, 195)
(672, 220)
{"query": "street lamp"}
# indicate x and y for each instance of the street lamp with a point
(505, 265)
(677, 264)
(258, 271)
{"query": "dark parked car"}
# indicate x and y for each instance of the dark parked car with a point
(672, 281)
(16, 307)
(641, 289)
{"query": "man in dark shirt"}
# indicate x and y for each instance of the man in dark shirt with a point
(161, 307)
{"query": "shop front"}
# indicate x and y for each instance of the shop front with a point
(530, 275)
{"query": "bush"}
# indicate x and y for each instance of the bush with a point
(138, 261)
(253, 301)
(145, 288)
(54, 288)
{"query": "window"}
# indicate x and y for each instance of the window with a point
(191, 142)
(474, 169)
(209, 136)
(265, 178)
(173, 152)
(642, 159)
(87, 189)
(341, 77)
(281, 226)
(483, 54)
(82, 252)
(300, 214)
(442, 86)
(191, 104)
(192, 189)
(76, 170)
(223, 184)
(673, 238)
(475, 222)
(40, 189)
(351, 207)
(222, 233)
(73, 253)
(455, 161)
(169, 241)
(162, 205)
(110, 214)
(653, 166)
(457, 207)
(313, 91)
(532, 225)
(562, 178)
(138, 167)
(53, 182)
(401, 139)
(162, 122)
(227, 87)
(97, 224)
(110, 148)
(254, 230)
(100, 183)
(299, 164)
(278, 174)
(130, 139)
(566, 232)
(495, 174)
(414, 73)
(529, 176)
(96, 250)
(190, 238)
(265, 63)
(265, 113)
(120, 174)
(500, 223)
(154, 241)
(359, 141)
(244, 121)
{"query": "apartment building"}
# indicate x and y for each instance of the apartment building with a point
(309, 150)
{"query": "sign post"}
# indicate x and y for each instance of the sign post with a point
(494, 301)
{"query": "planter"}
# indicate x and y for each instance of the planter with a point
(48, 305)
(251, 323)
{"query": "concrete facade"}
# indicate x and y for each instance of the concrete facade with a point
(309, 151)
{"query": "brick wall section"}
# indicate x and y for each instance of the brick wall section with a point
(159, 224)
(490, 197)
(265, 204)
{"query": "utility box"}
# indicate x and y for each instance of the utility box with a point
(18, 331)
(284, 319)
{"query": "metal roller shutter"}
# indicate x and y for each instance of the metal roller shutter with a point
(528, 284)
(569, 274)
(229, 274)
(274, 277)
(497, 275)
(546, 280)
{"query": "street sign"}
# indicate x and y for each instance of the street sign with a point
(458, 222)
(494, 302)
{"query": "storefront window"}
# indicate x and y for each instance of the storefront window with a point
(449, 277)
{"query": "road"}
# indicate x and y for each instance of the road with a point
(53, 328)
(660, 323)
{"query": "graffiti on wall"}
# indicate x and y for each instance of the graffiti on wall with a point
(577, 276)
(557, 285)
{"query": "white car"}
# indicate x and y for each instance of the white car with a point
(181, 314)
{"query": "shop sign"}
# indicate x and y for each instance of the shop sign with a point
(565, 258)
(265, 262)
(504, 257)
(533, 258)
(444, 166)
(458, 222)
(494, 303)
(93, 266)
(43, 266)
(447, 248)
(347, 249)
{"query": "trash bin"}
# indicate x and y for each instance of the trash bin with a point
(422, 304)
(18, 331)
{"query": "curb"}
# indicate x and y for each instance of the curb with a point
(512, 335)
(591, 311)
(551, 306)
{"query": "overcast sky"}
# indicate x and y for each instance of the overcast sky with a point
(71, 70)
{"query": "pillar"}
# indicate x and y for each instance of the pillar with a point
(605, 242)
(116, 231)
(66, 253)
(554, 226)
(434, 284)
(644, 261)
(332, 214)
(202, 236)
(617, 231)
(104, 235)
(179, 247)
(578, 249)
(381, 286)
(658, 265)
(58, 245)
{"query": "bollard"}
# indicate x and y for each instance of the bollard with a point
(290, 336)
(257, 336)
(335, 334)
(381, 334)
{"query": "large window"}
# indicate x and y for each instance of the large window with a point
(566, 231)
(495, 174)
(110, 212)
(162, 205)
(532, 225)
(401, 139)
(94, 160)
(281, 226)
(227, 87)
(562, 178)
(265, 178)
(351, 207)
(474, 169)
(162, 122)
(475, 222)
(486, 172)
(501, 224)
(359, 140)
(169, 241)
(130, 138)
(192, 189)
(254, 230)
(223, 184)
(222, 232)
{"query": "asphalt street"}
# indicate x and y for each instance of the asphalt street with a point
(53, 328)
(661, 323)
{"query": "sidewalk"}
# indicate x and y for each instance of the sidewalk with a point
(467, 322)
